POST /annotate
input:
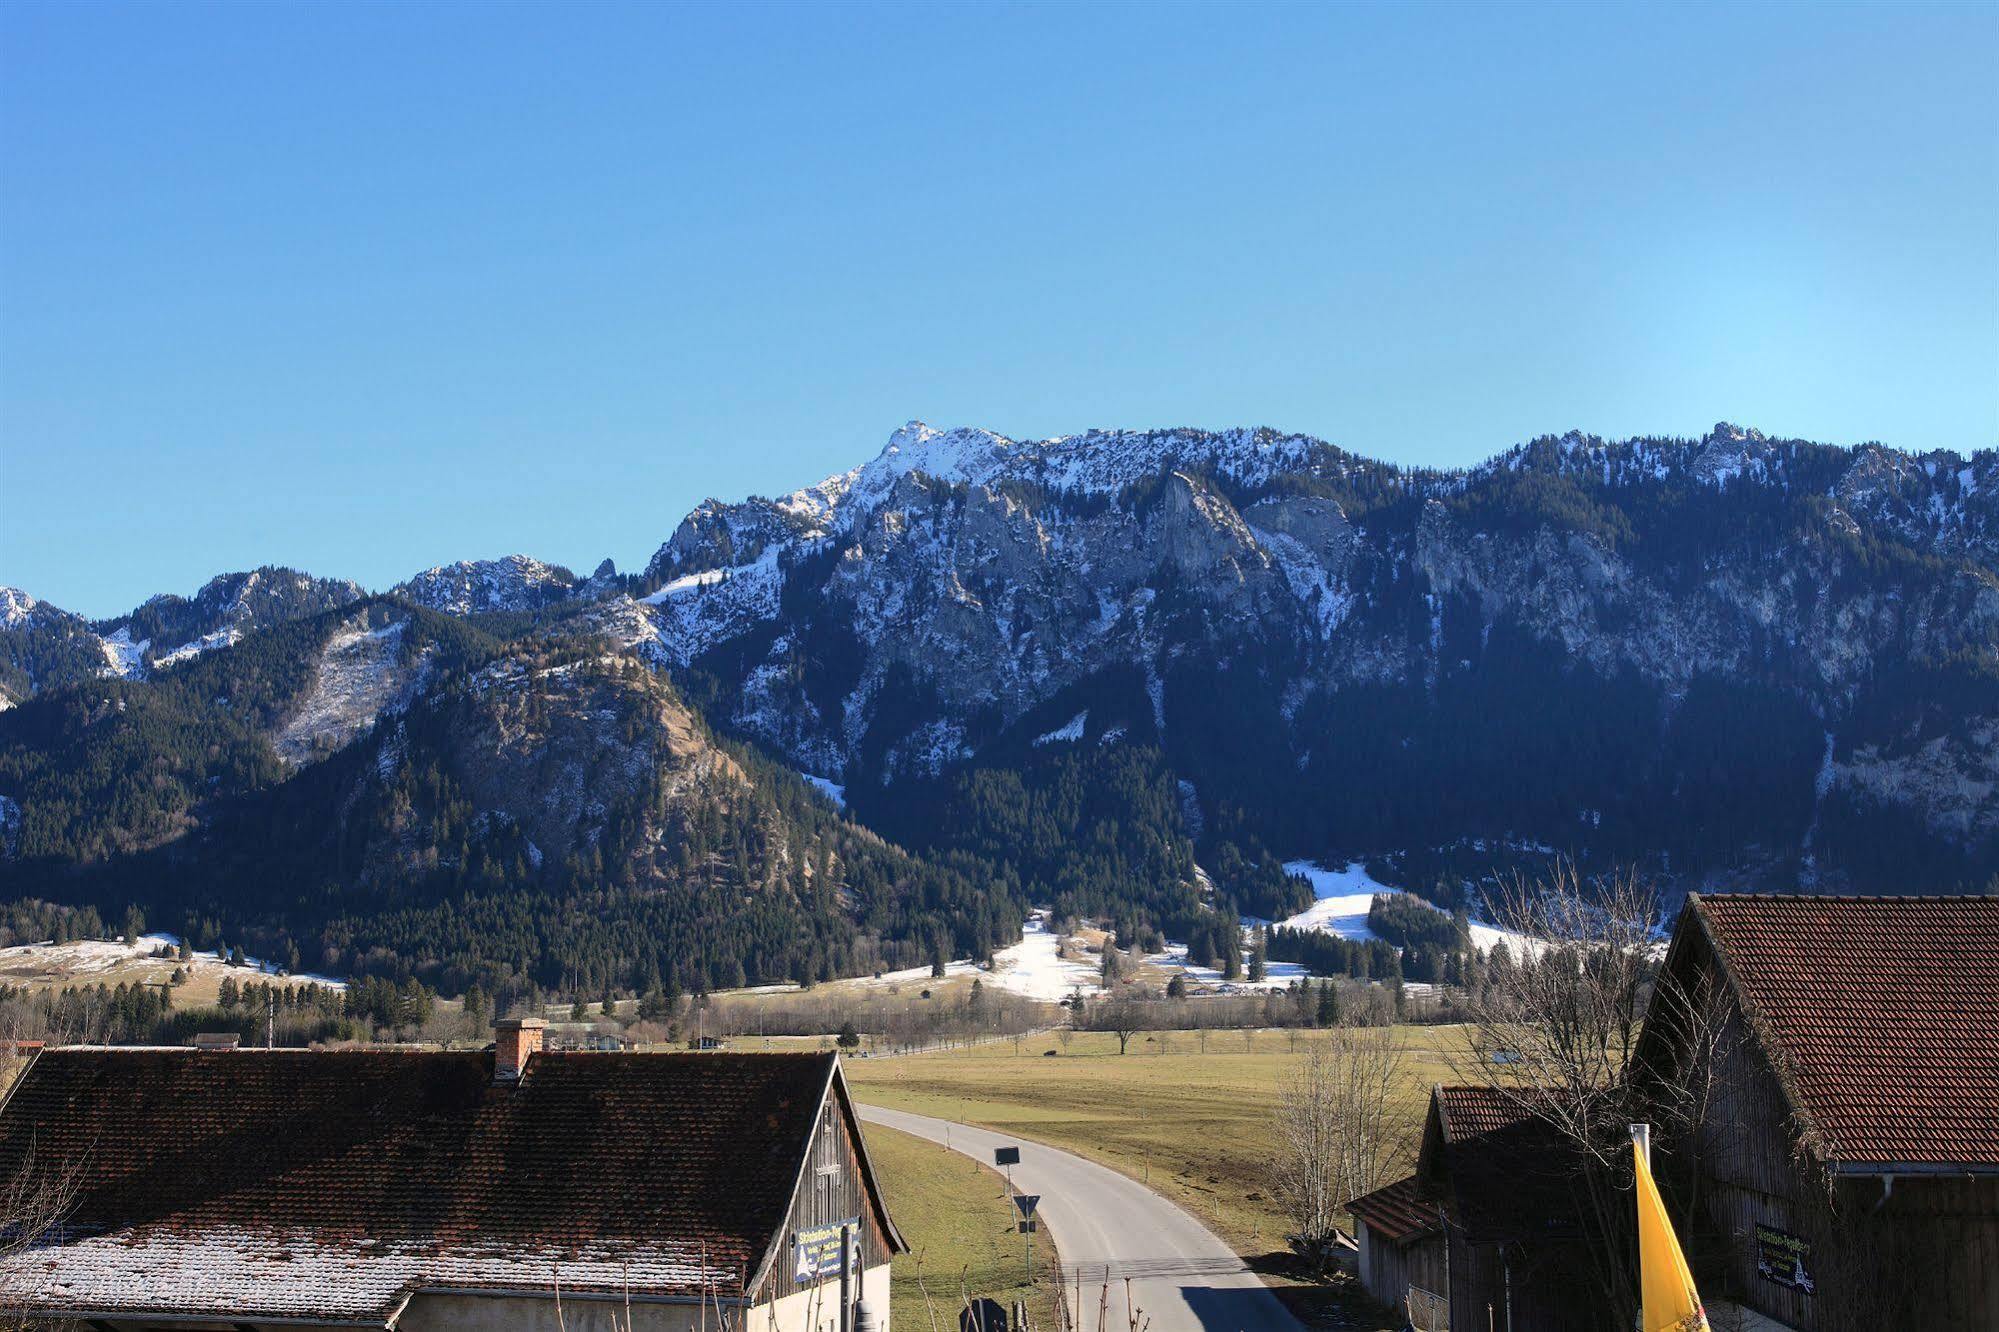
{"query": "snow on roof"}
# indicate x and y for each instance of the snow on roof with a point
(329, 1185)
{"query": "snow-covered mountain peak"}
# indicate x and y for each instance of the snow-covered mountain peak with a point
(967, 455)
(511, 583)
(16, 607)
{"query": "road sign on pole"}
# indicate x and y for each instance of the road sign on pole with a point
(1025, 1203)
(1006, 1156)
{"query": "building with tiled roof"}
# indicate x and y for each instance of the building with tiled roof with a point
(1399, 1238)
(1840, 1165)
(1488, 1229)
(419, 1190)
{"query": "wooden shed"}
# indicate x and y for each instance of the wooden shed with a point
(1513, 1228)
(1402, 1261)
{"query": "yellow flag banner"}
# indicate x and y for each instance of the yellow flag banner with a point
(1671, 1302)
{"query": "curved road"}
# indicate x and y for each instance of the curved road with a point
(1183, 1278)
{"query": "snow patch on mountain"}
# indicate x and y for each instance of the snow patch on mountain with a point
(686, 584)
(193, 648)
(360, 676)
(815, 505)
(123, 658)
(697, 611)
(832, 790)
(1323, 594)
(1067, 733)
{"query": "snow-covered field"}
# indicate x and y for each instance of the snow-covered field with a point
(1344, 895)
(1276, 975)
(89, 961)
(1036, 968)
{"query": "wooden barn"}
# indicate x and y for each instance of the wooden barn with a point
(1833, 1064)
(509, 1188)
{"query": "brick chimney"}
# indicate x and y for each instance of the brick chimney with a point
(514, 1039)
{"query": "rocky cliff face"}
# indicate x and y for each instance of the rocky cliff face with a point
(917, 608)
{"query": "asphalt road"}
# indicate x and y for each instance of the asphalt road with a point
(1183, 1279)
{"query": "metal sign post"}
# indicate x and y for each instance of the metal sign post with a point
(1007, 1158)
(1026, 1203)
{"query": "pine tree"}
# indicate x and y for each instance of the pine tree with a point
(1329, 1004)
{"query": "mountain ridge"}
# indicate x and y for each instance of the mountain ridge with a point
(1764, 659)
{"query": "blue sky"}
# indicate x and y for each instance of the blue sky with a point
(366, 288)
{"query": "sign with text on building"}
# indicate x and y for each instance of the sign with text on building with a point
(1780, 1257)
(817, 1249)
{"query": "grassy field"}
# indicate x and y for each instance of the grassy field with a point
(961, 1234)
(1195, 1125)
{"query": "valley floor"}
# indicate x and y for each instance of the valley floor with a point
(1192, 1118)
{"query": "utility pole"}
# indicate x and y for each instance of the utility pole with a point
(846, 1279)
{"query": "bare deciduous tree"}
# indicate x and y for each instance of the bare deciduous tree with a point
(1340, 1133)
(36, 1199)
(1121, 1015)
(1555, 1026)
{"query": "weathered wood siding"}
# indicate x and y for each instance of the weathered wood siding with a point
(830, 1191)
(1540, 1287)
(1388, 1269)
(1478, 1286)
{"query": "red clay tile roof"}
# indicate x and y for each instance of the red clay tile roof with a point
(1398, 1212)
(1508, 1174)
(1470, 1111)
(1884, 1012)
(331, 1184)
